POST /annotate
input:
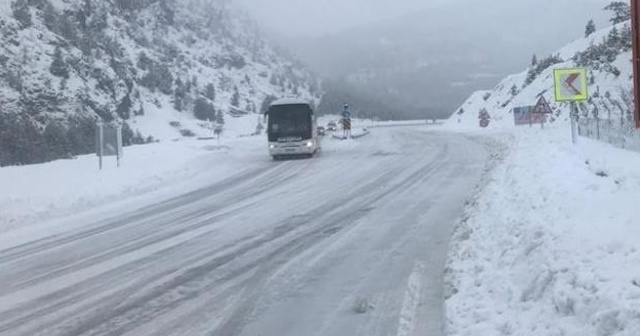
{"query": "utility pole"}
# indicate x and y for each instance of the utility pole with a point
(635, 30)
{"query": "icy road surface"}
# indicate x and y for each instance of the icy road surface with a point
(352, 242)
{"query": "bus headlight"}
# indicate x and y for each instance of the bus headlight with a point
(310, 144)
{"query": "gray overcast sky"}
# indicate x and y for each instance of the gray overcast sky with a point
(321, 17)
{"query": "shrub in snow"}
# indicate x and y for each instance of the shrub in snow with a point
(187, 133)
(203, 110)
(362, 306)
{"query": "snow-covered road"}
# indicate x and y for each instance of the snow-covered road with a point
(352, 242)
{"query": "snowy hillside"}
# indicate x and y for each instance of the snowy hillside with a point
(463, 113)
(607, 56)
(549, 244)
(158, 65)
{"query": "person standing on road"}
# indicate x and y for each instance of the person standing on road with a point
(346, 121)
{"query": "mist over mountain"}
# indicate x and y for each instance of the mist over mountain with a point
(427, 62)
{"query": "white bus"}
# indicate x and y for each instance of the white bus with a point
(292, 129)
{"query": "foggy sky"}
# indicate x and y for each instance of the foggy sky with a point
(322, 17)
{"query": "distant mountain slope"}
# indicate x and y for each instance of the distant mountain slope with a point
(66, 63)
(430, 60)
(607, 56)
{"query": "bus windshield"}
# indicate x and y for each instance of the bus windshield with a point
(289, 121)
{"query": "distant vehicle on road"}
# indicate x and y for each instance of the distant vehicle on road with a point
(331, 126)
(292, 129)
(322, 130)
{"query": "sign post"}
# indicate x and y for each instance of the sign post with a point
(119, 142)
(217, 131)
(108, 141)
(635, 32)
(571, 86)
(100, 143)
(574, 121)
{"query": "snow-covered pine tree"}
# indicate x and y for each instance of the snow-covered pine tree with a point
(590, 28)
(235, 99)
(179, 95)
(620, 11)
(266, 103)
(219, 119)
(124, 108)
(210, 92)
(22, 13)
(58, 67)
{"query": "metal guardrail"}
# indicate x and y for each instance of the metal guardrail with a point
(621, 134)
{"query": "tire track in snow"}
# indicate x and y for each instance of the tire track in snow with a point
(163, 268)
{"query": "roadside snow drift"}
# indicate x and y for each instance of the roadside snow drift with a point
(42, 192)
(552, 245)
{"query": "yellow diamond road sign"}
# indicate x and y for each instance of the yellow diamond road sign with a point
(570, 84)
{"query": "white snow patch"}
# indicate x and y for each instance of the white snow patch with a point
(552, 245)
(41, 192)
(411, 302)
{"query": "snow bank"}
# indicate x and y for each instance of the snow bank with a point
(552, 245)
(36, 193)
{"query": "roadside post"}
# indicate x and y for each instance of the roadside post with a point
(635, 33)
(574, 122)
(100, 142)
(571, 86)
(217, 131)
(119, 141)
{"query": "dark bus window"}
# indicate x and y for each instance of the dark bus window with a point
(289, 121)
